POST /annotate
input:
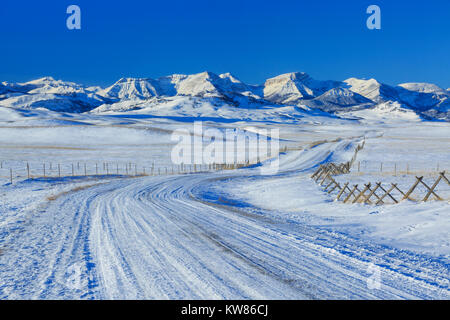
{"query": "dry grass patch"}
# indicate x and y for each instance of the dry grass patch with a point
(319, 142)
(56, 196)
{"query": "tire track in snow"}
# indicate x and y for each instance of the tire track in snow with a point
(149, 238)
(164, 244)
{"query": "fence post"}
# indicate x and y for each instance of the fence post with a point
(314, 174)
(336, 185)
(59, 170)
(329, 185)
(372, 192)
(351, 193)
(406, 196)
(324, 171)
(342, 191)
(387, 193)
(445, 178)
(10, 175)
(28, 170)
(398, 189)
(432, 188)
(367, 186)
(325, 178)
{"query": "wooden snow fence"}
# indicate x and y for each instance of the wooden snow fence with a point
(377, 193)
(327, 170)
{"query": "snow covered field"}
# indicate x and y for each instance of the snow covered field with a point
(223, 234)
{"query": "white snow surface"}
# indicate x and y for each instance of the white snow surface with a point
(230, 234)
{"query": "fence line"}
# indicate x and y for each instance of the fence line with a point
(398, 168)
(129, 169)
(371, 194)
(52, 170)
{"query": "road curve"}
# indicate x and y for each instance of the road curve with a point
(154, 238)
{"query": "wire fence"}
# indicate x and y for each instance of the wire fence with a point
(397, 168)
(15, 170)
(27, 170)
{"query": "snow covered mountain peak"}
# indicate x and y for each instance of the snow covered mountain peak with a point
(422, 87)
(200, 84)
(287, 78)
(363, 85)
(372, 89)
(229, 76)
(226, 75)
(209, 84)
(46, 79)
(131, 89)
(49, 82)
(129, 80)
(289, 89)
(204, 84)
(295, 87)
(207, 75)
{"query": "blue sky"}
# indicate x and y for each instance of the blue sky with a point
(253, 40)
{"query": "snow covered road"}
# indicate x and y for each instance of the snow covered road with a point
(159, 238)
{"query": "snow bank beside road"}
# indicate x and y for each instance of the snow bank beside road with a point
(419, 227)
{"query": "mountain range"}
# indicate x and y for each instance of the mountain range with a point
(296, 89)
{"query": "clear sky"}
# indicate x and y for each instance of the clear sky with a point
(253, 40)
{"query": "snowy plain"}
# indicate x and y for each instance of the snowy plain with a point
(226, 234)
